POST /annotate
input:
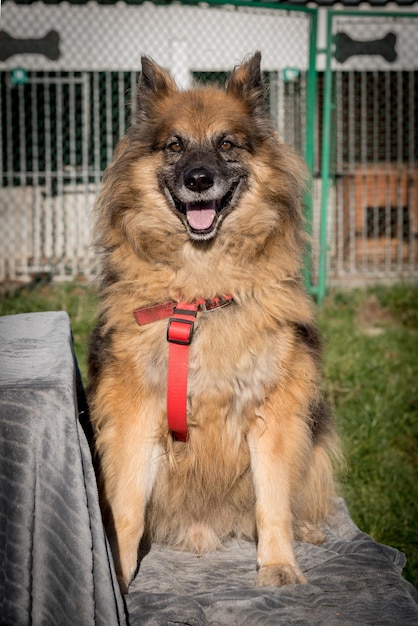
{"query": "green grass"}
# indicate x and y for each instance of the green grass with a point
(78, 300)
(371, 383)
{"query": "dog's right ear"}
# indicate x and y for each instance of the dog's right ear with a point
(155, 84)
(246, 82)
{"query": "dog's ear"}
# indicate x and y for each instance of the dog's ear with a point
(245, 81)
(155, 84)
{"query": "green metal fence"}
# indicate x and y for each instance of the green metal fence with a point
(64, 109)
(369, 166)
(354, 118)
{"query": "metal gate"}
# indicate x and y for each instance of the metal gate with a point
(56, 141)
(67, 76)
(370, 147)
(45, 130)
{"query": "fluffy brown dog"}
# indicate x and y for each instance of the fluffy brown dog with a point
(202, 202)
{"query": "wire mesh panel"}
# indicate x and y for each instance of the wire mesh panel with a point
(67, 81)
(373, 226)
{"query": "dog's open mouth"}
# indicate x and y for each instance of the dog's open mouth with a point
(202, 217)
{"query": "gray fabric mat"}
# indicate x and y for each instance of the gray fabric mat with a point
(351, 580)
(55, 563)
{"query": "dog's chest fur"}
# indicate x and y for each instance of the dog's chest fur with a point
(222, 368)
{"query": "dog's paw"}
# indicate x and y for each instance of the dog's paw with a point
(126, 567)
(279, 575)
(123, 584)
(125, 577)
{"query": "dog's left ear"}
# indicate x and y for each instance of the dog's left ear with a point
(245, 81)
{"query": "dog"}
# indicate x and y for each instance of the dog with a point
(199, 226)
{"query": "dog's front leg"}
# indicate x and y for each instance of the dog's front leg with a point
(272, 463)
(129, 459)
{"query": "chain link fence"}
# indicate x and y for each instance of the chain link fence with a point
(373, 148)
(68, 73)
(67, 78)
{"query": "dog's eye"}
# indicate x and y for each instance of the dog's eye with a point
(226, 145)
(175, 146)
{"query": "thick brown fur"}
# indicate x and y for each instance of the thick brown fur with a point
(258, 460)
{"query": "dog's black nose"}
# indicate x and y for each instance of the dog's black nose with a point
(198, 179)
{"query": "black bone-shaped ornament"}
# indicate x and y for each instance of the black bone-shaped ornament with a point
(47, 45)
(346, 47)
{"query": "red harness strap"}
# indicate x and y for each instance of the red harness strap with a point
(179, 336)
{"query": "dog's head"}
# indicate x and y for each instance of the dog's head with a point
(206, 138)
(199, 170)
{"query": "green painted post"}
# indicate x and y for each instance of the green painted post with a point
(311, 102)
(325, 165)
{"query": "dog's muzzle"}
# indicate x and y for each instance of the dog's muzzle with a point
(202, 215)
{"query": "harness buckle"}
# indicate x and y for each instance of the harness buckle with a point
(180, 329)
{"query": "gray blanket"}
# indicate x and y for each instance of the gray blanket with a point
(55, 562)
(351, 580)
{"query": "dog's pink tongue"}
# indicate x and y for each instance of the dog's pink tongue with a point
(201, 216)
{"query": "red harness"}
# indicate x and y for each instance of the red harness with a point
(182, 317)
